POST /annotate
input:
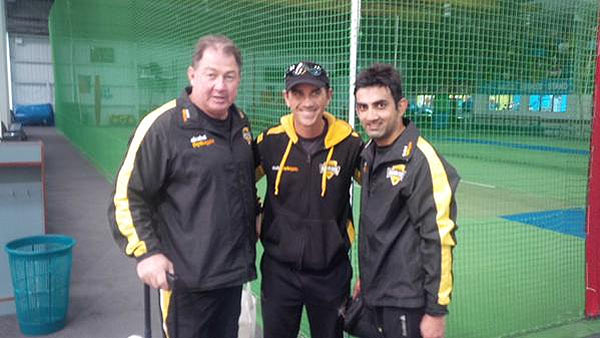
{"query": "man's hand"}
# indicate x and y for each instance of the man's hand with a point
(153, 270)
(356, 289)
(433, 327)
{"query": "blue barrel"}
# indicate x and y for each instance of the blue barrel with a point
(34, 114)
(40, 268)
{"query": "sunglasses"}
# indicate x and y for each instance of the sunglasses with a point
(301, 68)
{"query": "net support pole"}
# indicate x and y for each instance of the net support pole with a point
(4, 85)
(592, 263)
(354, 28)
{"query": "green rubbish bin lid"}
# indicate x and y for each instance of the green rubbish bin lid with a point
(43, 244)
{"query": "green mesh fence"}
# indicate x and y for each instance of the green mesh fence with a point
(502, 88)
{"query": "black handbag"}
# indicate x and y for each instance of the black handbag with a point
(359, 321)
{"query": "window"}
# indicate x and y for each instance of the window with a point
(548, 103)
(424, 101)
(559, 104)
(534, 103)
(504, 102)
(516, 103)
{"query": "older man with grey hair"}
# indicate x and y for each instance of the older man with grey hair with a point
(184, 198)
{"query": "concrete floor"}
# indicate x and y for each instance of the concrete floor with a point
(106, 296)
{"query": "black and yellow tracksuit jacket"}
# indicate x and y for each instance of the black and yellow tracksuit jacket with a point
(307, 212)
(407, 224)
(187, 191)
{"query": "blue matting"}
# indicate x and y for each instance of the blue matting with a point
(564, 221)
(521, 146)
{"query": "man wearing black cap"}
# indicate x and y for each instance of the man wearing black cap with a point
(309, 160)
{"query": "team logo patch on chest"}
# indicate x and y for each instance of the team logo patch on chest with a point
(247, 135)
(201, 141)
(332, 168)
(396, 173)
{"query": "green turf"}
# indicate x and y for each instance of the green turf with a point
(509, 277)
(503, 279)
(578, 329)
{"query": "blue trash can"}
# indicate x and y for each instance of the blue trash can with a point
(40, 268)
(34, 114)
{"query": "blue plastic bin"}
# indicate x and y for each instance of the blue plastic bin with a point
(34, 114)
(40, 268)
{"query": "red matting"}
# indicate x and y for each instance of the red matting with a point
(592, 261)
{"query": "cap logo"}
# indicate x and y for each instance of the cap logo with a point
(306, 72)
(300, 69)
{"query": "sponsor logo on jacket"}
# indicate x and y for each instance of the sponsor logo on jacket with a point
(247, 135)
(396, 173)
(185, 114)
(407, 149)
(332, 168)
(286, 168)
(201, 141)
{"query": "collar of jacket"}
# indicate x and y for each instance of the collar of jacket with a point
(337, 132)
(402, 148)
(191, 117)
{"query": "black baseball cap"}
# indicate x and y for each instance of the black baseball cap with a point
(306, 72)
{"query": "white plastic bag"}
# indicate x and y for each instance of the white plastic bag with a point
(247, 321)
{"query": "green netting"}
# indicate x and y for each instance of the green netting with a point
(503, 88)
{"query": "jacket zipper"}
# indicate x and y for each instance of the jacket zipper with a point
(233, 131)
(304, 230)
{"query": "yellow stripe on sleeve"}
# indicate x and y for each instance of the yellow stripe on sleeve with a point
(442, 195)
(122, 212)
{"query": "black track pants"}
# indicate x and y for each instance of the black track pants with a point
(285, 291)
(400, 322)
(207, 314)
